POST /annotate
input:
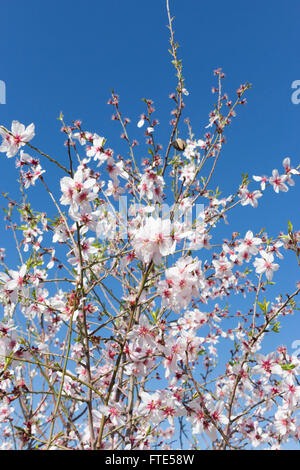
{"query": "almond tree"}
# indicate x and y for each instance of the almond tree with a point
(114, 319)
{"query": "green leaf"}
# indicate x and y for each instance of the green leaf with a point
(287, 366)
(264, 306)
(154, 315)
(201, 352)
(290, 226)
(276, 327)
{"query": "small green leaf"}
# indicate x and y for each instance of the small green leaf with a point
(287, 366)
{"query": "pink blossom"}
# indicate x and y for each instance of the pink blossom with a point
(265, 264)
(18, 137)
(278, 182)
(248, 197)
(289, 171)
(153, 240)
(79, 190)
(263, 181)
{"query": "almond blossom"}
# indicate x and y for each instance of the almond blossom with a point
(278, 182)
(17, 138)
(182, 281)
(263, 181)
(265, 264)
(154, 240)
(248, 197)
(78, 191)
(151, 186)
(289, 171)
(96, 150)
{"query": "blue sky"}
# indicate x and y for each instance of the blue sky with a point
(63, 56)
(67, 55)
